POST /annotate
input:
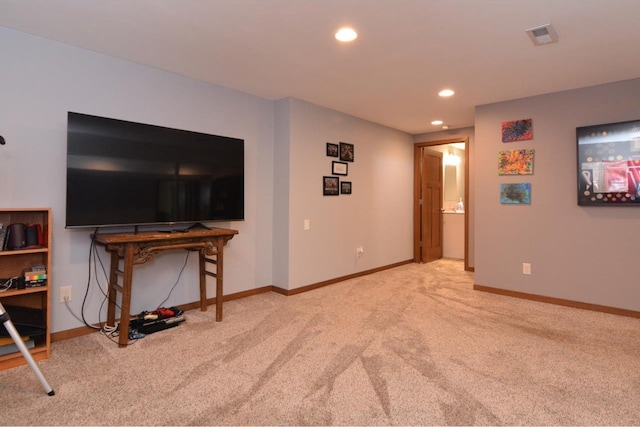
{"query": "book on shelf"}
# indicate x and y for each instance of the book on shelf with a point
(27, 321)
(9, 340)
(35, 277)
(35, 283)
(3, 234)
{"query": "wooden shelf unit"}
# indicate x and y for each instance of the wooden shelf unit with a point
(12, 264)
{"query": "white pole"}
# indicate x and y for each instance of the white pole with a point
(8, 324)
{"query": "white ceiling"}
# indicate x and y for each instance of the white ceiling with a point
(407, 50)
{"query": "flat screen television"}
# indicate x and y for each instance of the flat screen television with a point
(121, 173)
(609, 164)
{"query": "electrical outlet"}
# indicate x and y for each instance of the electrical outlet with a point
(526, 268)
(65, 294)
(359, 251)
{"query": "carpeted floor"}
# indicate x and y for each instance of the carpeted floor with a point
(414, 345)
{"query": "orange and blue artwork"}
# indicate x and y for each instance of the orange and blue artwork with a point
(515, 162)
(517, 130)
(515, 194)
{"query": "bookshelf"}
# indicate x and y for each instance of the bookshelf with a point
(13, 263)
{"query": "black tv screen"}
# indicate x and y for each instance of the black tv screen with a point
(121, 173)
(609, 164)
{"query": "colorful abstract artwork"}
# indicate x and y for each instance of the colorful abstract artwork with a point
(518, 194)
(515, 162)
(517, 130)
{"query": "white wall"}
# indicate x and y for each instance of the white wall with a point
(42, 80)
(376, 216)
(284, 164)
(585, 254)
(577, 253)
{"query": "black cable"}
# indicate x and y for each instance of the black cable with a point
(96, 255)
(93, 255)
(109, 333)
(86, 292)
(177, 280)
(94, 260)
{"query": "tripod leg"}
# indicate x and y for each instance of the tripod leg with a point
(8, 324)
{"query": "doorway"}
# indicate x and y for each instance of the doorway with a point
(431, 203)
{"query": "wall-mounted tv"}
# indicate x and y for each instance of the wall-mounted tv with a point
(121, 173)
(609, 164)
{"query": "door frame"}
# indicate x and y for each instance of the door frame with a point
(417, 147)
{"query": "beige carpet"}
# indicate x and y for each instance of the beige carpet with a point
(414, 345)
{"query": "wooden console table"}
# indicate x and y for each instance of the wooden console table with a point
(139, 248)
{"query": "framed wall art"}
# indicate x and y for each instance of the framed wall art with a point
(347, 152)
(330, 186)
(517, 130)
(332, 150)
(339, 168)
(515, 194)
(345, 187)
(609, 164)
(515, 162)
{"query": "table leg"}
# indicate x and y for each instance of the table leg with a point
(125, 313)
(219, 292)
(112, 289)
(203, 281)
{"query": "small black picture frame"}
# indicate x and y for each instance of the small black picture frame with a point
(332, 150)
(339, 168)
(330, 186)
(345, 187)
(347, 152)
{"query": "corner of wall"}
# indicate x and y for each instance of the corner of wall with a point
(281, 171)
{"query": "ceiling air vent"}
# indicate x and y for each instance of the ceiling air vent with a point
(544, 34)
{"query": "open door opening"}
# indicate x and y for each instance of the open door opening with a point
(429, 199)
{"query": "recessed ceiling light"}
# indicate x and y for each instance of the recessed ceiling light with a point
(437, 122)
(446, 92)
(346, 34)
(445, 127)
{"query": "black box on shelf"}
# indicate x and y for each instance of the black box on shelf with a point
(28, 321)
